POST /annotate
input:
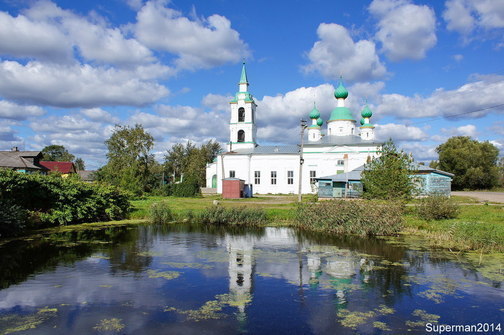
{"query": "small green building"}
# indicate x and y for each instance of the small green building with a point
(348, 185)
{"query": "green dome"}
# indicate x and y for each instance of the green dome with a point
(341, 113)
(314, 114)
(341, 92)
(320, 122)
(362, 121)
(366, 112)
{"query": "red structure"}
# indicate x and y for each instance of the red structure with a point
(232, 188)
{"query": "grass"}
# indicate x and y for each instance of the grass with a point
(476, 228)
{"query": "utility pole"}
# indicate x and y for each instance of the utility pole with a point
(301, 160)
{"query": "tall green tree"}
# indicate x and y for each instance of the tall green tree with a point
(56, 153)
(130, 162)
(189, 161)
(389, 175)
(79, 164)
(474, 163)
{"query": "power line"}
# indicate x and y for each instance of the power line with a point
(453, 115)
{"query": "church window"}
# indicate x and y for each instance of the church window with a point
(273, 177)
(232, 174)
(290, 177)
(241, 136)
(313, 175)
(352, 131)
(241, 114)
(341, 129)
(257, 177)
(341, 162)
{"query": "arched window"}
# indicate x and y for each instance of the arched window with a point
(241, 136)
(241, 114)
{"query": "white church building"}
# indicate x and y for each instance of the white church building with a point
(339, 146)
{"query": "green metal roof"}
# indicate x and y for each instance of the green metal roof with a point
(243, 78)
(314, 114)
(366, 112)
(320, 122)
(341, 113)
(341, 92)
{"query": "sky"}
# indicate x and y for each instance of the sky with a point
(72, 70)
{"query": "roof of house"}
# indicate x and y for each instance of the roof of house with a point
(342, 140)
(20, 159)
(267, 150)
(62, 167)
(355, 174)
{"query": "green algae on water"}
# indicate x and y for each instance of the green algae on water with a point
(424, 319)
(355, 319)
(109, 325)
(13, 323)
(163, 274)
(188, 265)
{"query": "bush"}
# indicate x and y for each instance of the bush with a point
(242, 216)
(159, 212)
(437, 207)
(351, 217)
(186, 189)
(13, 219)
(57, 201)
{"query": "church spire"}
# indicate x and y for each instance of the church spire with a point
(243, 79)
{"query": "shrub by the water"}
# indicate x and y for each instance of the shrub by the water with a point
(13, 219)
(241, 216)
(52, 200)
(160, 212)
(351, 217)
(437, 207)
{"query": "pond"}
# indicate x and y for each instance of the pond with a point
(186, 279)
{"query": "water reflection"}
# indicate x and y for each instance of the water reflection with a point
(189, 279)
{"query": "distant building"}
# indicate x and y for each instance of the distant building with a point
(275, 169)
(65, 168)
(22, 161)
(348, 185)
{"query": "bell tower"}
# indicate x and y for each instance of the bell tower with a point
(242, 128)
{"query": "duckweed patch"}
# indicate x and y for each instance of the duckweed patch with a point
(440, 287)
(188, 265)
(422, 318)
(163, 274)
(212, 309)
(214, 256)
(13, 323)
(149, 254)
(381, 325)
(109, 325)
(355, 319)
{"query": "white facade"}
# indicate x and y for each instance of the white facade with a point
(275, 169)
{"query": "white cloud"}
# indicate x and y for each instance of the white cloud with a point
(337, 54)
(471, 100)
(201, 43)
(10, 110)
(405, 30)
(464, 16)
(99, 115)
(399, 132)
(76, 85)
(216, 102)
(22, 37)
(90, 35)
(420, 151)
(467, 130)
(7, 137)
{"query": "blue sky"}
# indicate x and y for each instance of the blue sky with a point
(71, 70)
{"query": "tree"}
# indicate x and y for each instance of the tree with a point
(79, 164)
(130, 164)
(473, 163)
(56, 153)
(190, 161)
(389, 176)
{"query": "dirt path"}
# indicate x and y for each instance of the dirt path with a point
(483, 196)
